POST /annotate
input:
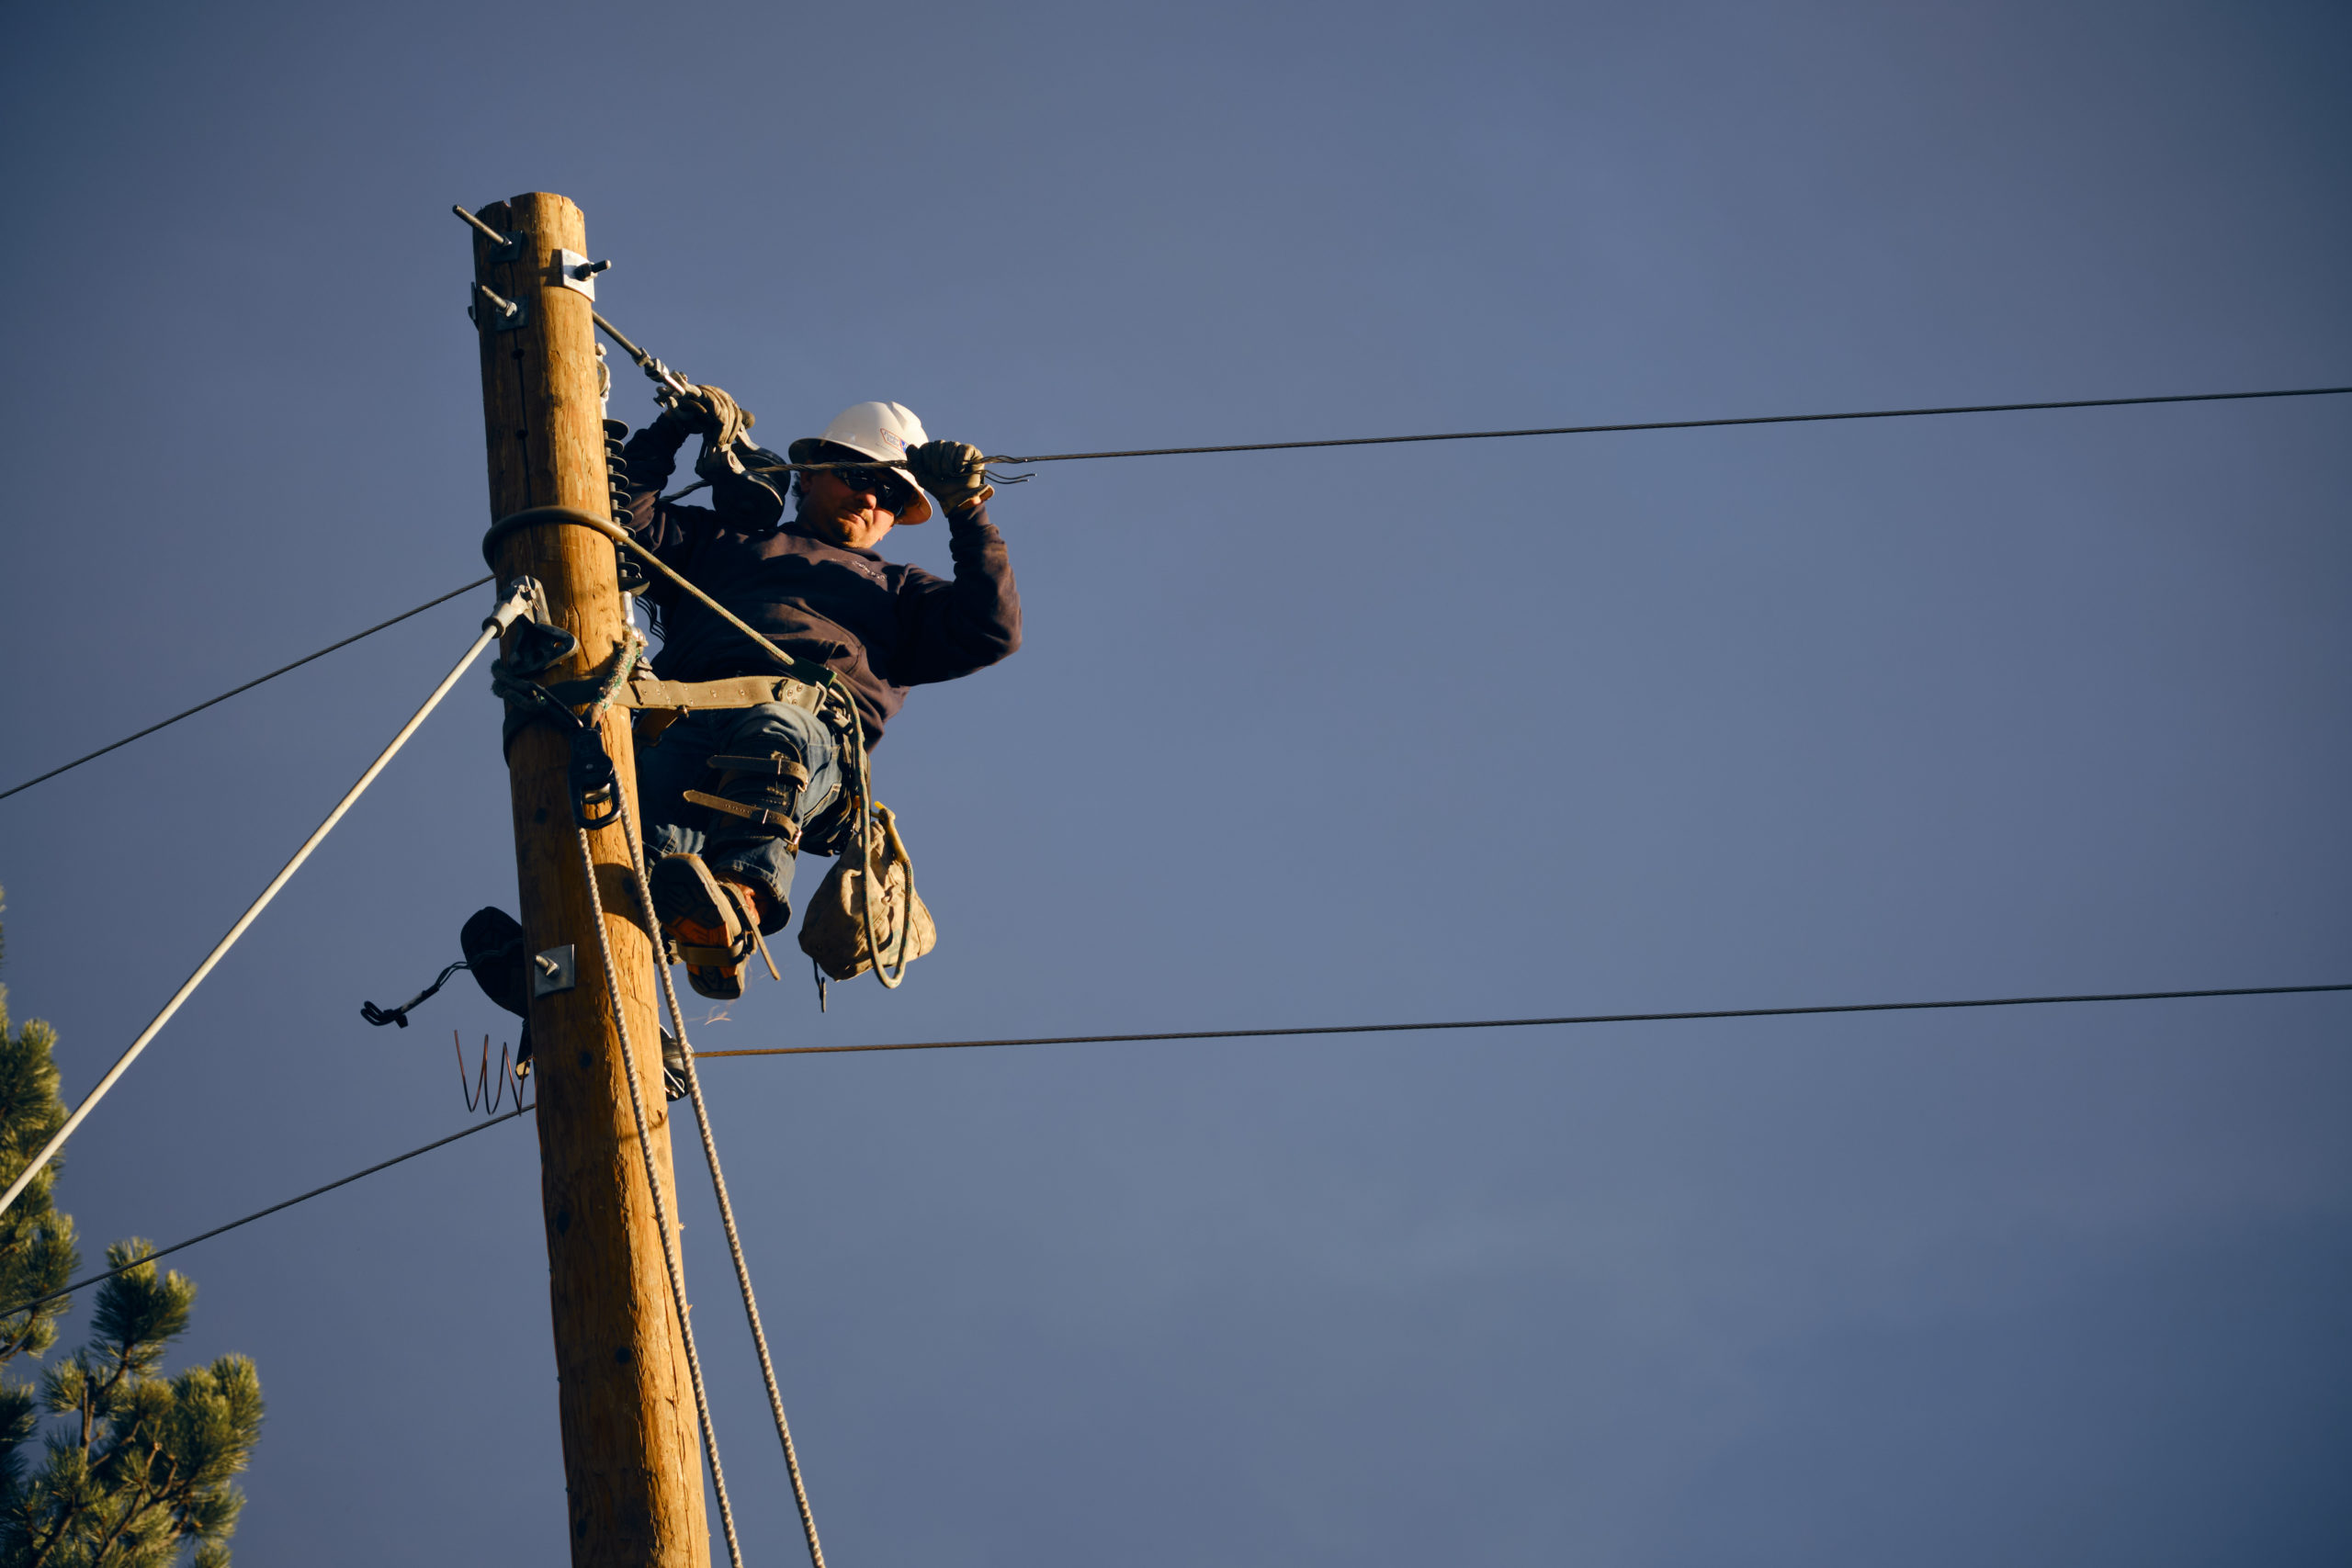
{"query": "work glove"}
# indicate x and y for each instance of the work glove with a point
(952, 471)
(688, 416)
(709, 412)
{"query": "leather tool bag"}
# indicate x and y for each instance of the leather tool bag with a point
(833, 930)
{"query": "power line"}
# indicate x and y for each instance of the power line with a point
(1528, 1023)
(674, 383)
(248, 687)
(1623, 428)
(1224, 1034)
(1283, 446)
(264, 1213)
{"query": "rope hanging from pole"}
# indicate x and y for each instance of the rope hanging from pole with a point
(532, 696)
(653, 1185)
(726, 1207)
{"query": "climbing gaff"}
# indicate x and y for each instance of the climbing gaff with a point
(517, 603)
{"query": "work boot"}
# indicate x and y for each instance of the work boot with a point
(707, 922)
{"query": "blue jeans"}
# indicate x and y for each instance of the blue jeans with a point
(734, 848)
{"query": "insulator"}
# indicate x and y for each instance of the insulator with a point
(625, 565)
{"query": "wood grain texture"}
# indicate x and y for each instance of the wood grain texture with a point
(631, 1449)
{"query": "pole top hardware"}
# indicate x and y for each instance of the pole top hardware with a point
(543, 644)
(577, 273)
(508, 246)
(522, 596)
(495, 311)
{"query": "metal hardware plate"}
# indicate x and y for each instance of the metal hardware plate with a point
(497, 316)
(577, 273)
(553, 971)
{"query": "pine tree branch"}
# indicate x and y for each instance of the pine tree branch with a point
(55, 1532)
(140, 1503)
(71, 1510)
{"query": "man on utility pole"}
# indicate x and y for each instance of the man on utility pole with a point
(632, 1468)
(731, 796)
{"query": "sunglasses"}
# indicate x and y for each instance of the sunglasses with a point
(887, 486)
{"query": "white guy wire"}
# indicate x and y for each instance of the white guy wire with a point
(499, 621)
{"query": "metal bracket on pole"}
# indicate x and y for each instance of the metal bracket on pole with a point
(522, 597)
(553, 971)
(577, 273)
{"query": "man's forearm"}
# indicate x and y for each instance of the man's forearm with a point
(980, 614)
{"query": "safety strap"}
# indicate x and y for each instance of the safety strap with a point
(774, 762)
(663, 702)
(740, 692)
(644, 690)
(777, 820)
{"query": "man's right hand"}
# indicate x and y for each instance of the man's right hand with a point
(691, 414)
(709, 412)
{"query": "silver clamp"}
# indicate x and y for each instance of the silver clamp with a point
(524, 597)
(577, 273)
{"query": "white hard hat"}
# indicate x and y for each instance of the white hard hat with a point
(881, 430)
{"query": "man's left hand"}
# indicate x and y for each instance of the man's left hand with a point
(952, 471)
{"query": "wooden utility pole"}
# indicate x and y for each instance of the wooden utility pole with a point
(631, 1461)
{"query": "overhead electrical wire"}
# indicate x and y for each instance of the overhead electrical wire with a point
(1670, 425)
(1244, 1034)
(673, 385)
(262, 1213)
(1617, 429)
(282, 670)
(1526, 1023)
(1280, 446)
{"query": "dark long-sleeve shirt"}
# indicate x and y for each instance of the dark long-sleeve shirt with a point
(884, 628)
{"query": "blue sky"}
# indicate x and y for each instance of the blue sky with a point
(1984, 705)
